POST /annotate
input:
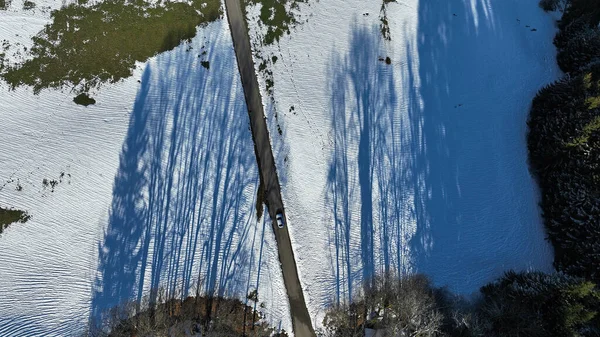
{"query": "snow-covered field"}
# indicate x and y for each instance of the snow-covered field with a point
(416, 166)
(157, 186)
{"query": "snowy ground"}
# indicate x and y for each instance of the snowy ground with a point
(417, 166)
(159, 187)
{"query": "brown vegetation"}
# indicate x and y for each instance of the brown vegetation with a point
(201, 315)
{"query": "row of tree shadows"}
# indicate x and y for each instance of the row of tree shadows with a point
(183, 217)
(412, 182)
(419, 179)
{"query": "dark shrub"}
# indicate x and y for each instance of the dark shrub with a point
(537, 304)
(552, 5)
(84, 99)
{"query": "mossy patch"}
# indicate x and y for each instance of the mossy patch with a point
(86, 46)
(587, 80)
(10, 216)
(84, 99)
(591, 84)
(593, 102)
(588, 129)
(4, 4)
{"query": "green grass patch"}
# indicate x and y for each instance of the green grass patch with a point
(86, 46)
(84, 99)
(278, 16)
(10, 216)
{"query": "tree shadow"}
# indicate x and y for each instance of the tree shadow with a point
(428, 170)
(476, 211)
(182, 215)
(362, 98)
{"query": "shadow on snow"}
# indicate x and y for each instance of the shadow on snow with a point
(428, 172)
(183, 214)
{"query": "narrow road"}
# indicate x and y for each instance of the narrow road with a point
(266, 165)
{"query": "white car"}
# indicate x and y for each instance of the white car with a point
(280, 219)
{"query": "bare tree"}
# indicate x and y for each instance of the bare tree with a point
(403, 306)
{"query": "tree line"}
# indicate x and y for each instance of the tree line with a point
(564, 143)
(525, 304)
